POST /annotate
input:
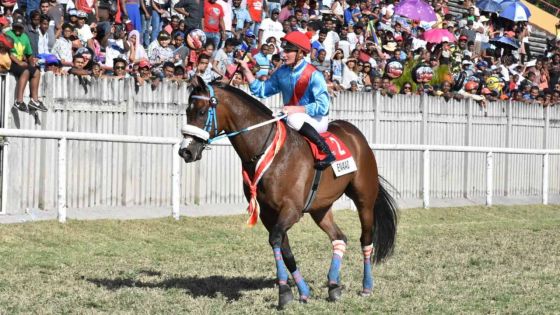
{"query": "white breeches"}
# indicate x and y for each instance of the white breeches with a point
(296, 120)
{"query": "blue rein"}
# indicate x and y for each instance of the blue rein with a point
(212, 119)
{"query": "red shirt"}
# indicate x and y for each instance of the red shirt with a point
(213, 13)
(255, 8)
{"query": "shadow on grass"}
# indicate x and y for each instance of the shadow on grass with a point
(230, 288)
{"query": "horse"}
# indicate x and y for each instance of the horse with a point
(282, 191)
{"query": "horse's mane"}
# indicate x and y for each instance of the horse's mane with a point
(248, 99)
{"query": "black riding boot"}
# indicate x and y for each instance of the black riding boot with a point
(312, 134)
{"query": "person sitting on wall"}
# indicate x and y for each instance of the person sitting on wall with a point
(23, 67)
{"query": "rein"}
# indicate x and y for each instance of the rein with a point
(212, 121)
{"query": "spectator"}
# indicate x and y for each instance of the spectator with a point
(62, 48)
(46, 34)
(117, 46)
(271, 27)
(214, 27)
(168, 70)
(224, 57)
(23, 67)
(119, 68)
(192, 10)
(263, 62)
(241, 18)
(136, 52)
(160, 50)
(321, 63)
(204, 70)
(78, 66)
(159, 11)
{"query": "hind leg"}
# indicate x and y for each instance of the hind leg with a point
(365, 205)
(326, 222)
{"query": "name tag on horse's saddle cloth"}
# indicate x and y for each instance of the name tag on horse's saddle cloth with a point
(344, 163)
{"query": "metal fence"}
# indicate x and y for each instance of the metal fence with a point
(116, 174)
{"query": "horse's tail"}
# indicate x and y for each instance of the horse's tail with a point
(385, 229)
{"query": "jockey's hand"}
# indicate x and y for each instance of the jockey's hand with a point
(242, 63)
(293, 109)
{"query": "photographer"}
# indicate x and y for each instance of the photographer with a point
(117, 47)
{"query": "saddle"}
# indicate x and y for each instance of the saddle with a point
(344, 163)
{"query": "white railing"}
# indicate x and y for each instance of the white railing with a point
(63, 138)
(489, 164)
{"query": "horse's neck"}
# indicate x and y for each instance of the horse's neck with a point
(250, 144)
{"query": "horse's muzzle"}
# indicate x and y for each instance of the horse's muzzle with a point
(191, 149)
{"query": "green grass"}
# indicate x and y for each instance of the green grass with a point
(456, 260)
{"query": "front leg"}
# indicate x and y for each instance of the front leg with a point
(289, 259)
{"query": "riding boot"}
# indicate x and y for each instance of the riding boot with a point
(310, 133)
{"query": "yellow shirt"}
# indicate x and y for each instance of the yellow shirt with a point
(5, 62)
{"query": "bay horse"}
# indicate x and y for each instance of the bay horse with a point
(285, 185)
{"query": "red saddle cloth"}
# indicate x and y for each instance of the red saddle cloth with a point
(338, 148)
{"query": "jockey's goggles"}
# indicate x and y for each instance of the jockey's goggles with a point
(287, 46)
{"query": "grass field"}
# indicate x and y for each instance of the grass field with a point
(454, 260)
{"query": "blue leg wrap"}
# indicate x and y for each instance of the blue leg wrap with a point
(368, 277)
(334, 271)
(281, 271)
(302, 286)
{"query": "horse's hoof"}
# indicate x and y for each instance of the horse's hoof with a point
(285, 296)
(335, 292)
(366, 292)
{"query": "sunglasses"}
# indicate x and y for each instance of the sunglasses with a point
(407, 87)
(120, 68)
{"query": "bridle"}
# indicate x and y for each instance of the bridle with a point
(212, 122)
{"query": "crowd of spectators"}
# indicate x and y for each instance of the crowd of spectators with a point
(359, 45)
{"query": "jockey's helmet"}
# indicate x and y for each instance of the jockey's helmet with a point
(296, 40)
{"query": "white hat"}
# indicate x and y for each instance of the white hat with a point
(390, 46)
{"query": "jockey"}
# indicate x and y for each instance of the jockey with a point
(304, 90)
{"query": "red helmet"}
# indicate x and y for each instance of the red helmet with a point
(298, 39)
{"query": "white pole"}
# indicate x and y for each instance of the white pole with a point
(426, 179)
(176, 182)
(545, 179)
(62, 180)
(489, 177)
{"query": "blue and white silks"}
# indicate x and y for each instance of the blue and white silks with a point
(315, 99)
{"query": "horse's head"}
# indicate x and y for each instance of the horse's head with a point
(201, 120)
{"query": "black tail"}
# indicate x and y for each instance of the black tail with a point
(385, 229)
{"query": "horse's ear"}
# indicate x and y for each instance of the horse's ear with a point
(197, 82)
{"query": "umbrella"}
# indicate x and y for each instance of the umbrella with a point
(505, 42)
(506, 3)
(489, 6)
(438, 35)
(515, 11)
(416, 10)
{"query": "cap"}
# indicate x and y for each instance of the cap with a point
(249, 33)
(18, 21)
(73, 12)
(81, 14)
(275, 11)
(466, 62)
(144, 63)
(463, 37)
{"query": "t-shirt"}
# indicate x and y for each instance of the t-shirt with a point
(213, 13)
(228, 14)
(255, 8)
(195, 9)
(223, 60)
(242, 16)
(271, 28)
(22, 46)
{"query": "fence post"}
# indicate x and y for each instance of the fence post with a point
(509, 134)
(546, 131)
(468, 142)
(176, 182)
(545, 179)
(426, 179)
(489, 177)
(376, 118)
(128, 150)
(62, 142)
